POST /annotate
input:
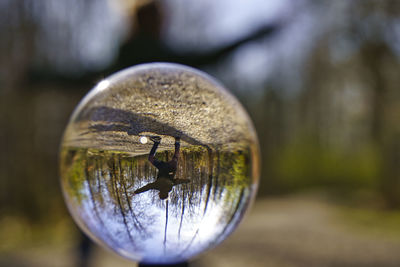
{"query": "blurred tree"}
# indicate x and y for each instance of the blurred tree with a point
(377, 57)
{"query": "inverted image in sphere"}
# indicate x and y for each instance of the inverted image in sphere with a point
(159, 162)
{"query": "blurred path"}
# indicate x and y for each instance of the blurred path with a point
(297, 231)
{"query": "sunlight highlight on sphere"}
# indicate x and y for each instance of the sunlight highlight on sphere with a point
(159, 162)
(103, 84)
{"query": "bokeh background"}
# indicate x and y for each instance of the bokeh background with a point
(320, 80)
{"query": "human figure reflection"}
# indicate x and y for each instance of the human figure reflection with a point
(173, 228)
(166, 171)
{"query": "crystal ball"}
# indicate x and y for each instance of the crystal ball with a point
(159, 162)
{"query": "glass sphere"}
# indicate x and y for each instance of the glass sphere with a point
(159, 163)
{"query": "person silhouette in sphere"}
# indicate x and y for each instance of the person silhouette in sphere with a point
(166, 171)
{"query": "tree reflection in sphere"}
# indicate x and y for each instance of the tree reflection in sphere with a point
(159, 163)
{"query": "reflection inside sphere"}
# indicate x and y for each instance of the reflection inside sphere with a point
(160, 164)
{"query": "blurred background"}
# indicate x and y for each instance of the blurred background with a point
(320, 80)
